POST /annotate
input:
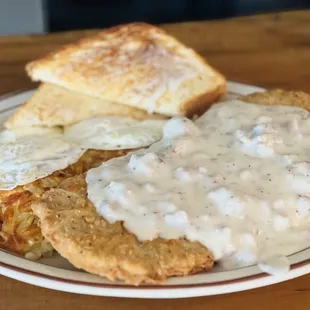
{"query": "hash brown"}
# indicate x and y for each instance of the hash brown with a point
(19, 230)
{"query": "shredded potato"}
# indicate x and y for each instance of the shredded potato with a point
(19, 228)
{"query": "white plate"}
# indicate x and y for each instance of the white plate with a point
(57, 273)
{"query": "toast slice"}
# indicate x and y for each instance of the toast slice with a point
(136, 64)
(52, 105)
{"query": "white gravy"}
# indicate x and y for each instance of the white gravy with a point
(237, 181)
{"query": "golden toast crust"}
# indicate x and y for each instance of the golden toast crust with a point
(52, 105)
(138, 65)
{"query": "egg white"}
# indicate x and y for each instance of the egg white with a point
(12, 135)
(115, 133)
(31, 153)
(29, 157)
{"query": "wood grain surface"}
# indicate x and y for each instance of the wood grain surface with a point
(267, 50)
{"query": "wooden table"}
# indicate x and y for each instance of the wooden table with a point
(268, 50)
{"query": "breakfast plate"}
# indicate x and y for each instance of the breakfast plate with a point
(57, 273)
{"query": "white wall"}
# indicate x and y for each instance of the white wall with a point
(21, 16)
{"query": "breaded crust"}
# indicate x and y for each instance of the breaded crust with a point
(71, 224)
(279, 97)
(138, 65)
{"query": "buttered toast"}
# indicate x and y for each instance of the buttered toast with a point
(138, 65)
(52, 105)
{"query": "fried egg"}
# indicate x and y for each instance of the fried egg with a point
(11, 135)
(25, 158)
(115, 133)
(31, 153)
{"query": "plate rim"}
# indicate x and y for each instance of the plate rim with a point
(122, 290)
(147, 287)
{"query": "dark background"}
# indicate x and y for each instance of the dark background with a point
(78, 14)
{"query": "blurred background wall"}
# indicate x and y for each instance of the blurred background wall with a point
(35, 16)
(21, 16)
